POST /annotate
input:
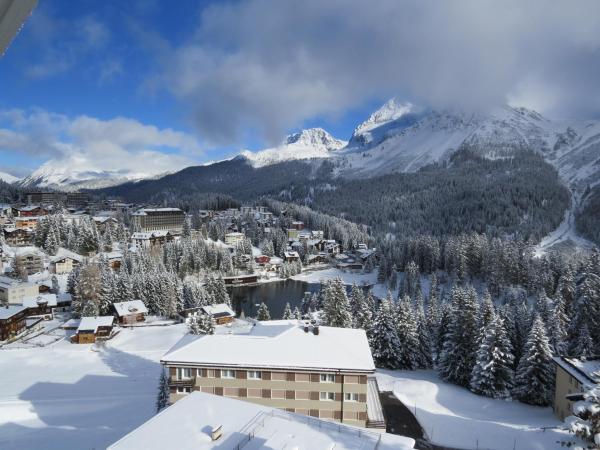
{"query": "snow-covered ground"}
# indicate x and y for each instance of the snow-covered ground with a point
(361, 279)
(69, 396)
(453, 416)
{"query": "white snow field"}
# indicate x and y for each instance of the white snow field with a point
(452, 416)
(81, 396)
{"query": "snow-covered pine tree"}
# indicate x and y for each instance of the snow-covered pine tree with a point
(297, 314)
(457, 357)
(336, 309)
(493, 374)
(287, 312)
(263, 312)
(201, 323)
(424, 356)
(587, 413)
(406, 328)
(385, 344)
(559, 326)
(534, 380)
(583, 347)
(162, 397)
(362, 312)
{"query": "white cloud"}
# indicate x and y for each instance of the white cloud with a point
(272, 64)
(84, 143)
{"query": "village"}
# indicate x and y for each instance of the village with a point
(68, 280)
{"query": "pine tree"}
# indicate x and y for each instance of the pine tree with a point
(587, 424)
(559, 326)
(492, 375)
(201, 323)
(263, 312)
(406, 329)
(287, 312)
(186, 231)
(424, 356)
(534, 380)
(385, 344)
(297, 314)
(584, 345)
(457, 357)
(162, 398)
(336, 309)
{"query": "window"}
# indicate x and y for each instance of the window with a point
(327, 378)
(329, 396)
(184, 389)
(254, 375)
(350, 397)
(278, 394)
(228, 373)
(254, 393)
(302, 395)
(199, 373)
(278, 376)
(184, 373)
(230, 392)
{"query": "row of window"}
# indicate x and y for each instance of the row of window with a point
(275, 394)
(185, 373)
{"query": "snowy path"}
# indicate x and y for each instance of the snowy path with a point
(454, 417)
(69, 396)
(565, 231)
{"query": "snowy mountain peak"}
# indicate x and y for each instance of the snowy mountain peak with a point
(306, 144)
(7, 177)
(315, 137)
(391, 110)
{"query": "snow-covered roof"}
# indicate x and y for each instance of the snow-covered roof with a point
(141, 235)
(102, 219)
(71, 323)
(585, 371)
(279, 344)
(93, 323)
(234, 234)
(36, 300)
(6, 312)
(130, 307)
(145, 211)
(187, 425)
(63, 253)
(12, 282)
(219, 310)
(291, 255)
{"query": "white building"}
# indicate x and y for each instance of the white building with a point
(14, 291)
(205, 421)
(234, 238)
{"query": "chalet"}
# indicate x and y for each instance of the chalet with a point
(283, 364)
(297, 225)
(320, 258)
(12, 320)
(130, 312)
(40, 305)
(13, 291)
(572, 377)
(112, 259)
(221, 313)
(203, 421)
(240, 279)
(64, 262)
(91, 329)
(234, 238)
(63, 301)
(292, 233)
(17, 237)
(102, 222)
(152, 239)
(29, 211)
(291, 256)
(262, 260)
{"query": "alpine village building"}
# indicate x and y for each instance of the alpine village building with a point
(573, 376)
(323, 372)
(154, 219)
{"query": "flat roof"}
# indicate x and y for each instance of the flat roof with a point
(187, 425)
(278, 344)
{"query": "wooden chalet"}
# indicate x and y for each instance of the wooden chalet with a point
(91, 329)
(12, 320)
(130, 312)
(221, 313)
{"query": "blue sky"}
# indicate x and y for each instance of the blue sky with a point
(155, 85)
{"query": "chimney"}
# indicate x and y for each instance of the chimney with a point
(216, 432)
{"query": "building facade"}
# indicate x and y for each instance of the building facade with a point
(154, 219)
(281, 364)
(14, 291)
(572, 377)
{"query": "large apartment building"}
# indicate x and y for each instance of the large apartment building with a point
(323, 372)
(154, 219)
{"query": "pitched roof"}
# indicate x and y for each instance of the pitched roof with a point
(92, 323)
(6, 312)
(586, 371)
(278, 344)
(219, 310)
(130, 307)
(36, 300)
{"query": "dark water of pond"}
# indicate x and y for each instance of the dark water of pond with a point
(275, 295)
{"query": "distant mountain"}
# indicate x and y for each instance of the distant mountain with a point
(307, 144)
(8, 178)
(62, 178)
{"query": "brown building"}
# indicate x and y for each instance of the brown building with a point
(153, 219)
(91, 329)
(130, 312)
(240, 279)
(221, 313)
(12, 320)
(322, 372)
(17, 237)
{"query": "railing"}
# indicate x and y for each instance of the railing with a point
(258, 421)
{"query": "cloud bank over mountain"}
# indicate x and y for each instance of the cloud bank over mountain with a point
(271, 65)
